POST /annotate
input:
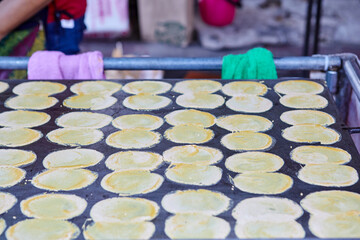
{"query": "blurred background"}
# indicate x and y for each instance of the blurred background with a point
(209, 28)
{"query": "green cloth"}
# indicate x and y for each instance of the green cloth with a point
(257, 63)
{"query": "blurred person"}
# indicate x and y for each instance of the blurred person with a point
(13, 13)
(20, 34)
(65, 26)
(19, 30)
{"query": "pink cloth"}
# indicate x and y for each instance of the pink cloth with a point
(53, 65)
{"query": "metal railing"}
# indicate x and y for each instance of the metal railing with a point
(209, 64)
(329, 63)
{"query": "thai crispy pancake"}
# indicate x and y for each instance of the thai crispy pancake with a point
(31, 102)
(239, 122)
(190, 117)
(263, 183)
(195, 86)
(72, 179)
(96, 87)
(329, 175)
(152, 87)
(138, 121)
(311, 133)
(254, 162)
(133, 138)
(247, 141)
(249, 104)
(296, 117)
(196, 201)
(42, 229)
(304, 101)
(72, 158)
(89, 101)
(194, 174)
(124, 210)
(189, 134)
(131, 182)
(134, 160)
(298, 86)
(53, 206)
(192, 154)
(23, 119)
(244, 87)
(84, 120)
(319, 155)
(147, 102)
(202, 100)
(196, 226)
(37, 87)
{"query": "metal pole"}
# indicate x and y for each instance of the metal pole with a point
(150, 63)
(317, 27)
(332, 81)
(205, 64)
(321, 63)
(352, 70)
(14, 63)
(308, 28)
(286, 63)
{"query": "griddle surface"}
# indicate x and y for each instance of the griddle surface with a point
(94, 193)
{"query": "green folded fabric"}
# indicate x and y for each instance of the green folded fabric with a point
(257, 63)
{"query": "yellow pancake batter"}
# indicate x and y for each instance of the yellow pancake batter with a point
(189, 134)
(263, 183)
(71, 179)
(247, 141)
(133, 138)
(192, 154)
(244, 87)
(39, 87)
(96, 87)
(23, 119)
(53, 206)
(131, 182)
(124, 210)
(152, 87)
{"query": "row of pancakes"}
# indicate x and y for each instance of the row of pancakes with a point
(11, 160)
(257, 174)
(136, 130)
(322, 164)
(194, 165)
(96, 95)
(127, 217)
(333, 213)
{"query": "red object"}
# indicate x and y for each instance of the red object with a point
(217, 12)
(76, 8)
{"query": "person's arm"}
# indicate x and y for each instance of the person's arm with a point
(15, 12)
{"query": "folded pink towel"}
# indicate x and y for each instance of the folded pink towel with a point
(53, 65)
